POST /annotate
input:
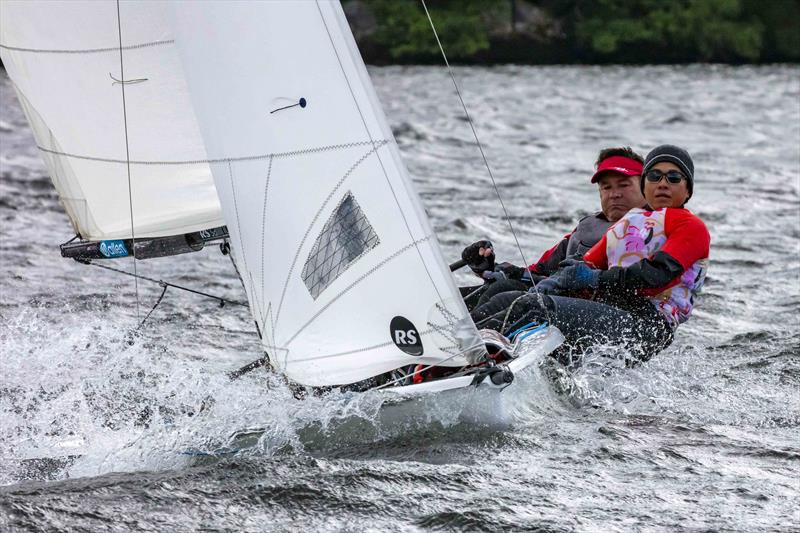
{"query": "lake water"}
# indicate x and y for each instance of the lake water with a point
(705, 436)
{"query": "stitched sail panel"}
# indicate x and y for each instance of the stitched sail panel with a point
(346, 236)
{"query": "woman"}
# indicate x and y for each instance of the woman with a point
(637, 284)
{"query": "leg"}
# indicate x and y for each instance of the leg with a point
(503, 285)
(584, 323)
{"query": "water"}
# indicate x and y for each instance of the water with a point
(704, 436)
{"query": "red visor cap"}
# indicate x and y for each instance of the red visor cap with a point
(619, 164)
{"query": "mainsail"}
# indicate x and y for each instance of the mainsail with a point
(342, 270)
(65, 60)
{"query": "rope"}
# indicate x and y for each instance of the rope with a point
(480, 147)
(127, 159)
(222, 301)
(163, 292)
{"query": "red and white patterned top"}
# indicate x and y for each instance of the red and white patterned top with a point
(640, 234)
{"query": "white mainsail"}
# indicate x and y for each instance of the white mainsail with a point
(64, 61)
(342, 270)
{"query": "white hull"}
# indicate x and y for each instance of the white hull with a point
(471, 401)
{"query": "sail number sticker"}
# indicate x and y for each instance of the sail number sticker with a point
(113, 249)
(405, 335)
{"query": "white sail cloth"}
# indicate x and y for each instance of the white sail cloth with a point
(341, 266)
(64, 61)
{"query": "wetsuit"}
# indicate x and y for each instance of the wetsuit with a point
(653, 262)
(587, 233)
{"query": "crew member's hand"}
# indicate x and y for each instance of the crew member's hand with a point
(510, 271)
(570, 261)
(479, 256)
(546, 286)
(576, 277)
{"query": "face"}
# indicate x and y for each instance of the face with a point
(619, 194)
(664, 193)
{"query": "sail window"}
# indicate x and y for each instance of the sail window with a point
(347, 235)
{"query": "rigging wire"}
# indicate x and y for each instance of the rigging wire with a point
(483, 155)
(128, 164)
(163, 283)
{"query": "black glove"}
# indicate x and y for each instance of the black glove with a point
(478, 263)
(510, 271)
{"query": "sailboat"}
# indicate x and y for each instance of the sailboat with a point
(167, 126)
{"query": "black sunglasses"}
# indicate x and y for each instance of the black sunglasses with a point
(673, 176)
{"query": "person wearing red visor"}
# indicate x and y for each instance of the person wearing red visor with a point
(617, 175)
(636, 285)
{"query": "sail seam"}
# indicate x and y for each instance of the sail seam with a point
(357, 350)
(258, 157)
(86, 50)
(264, 224)
(358, 280)
(238, 225)
(314, 221)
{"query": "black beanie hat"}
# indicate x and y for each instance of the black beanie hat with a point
(667, 153)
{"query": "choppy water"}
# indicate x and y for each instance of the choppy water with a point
(706, 436)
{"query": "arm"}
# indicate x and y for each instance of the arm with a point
(596, 256)
(548, 262)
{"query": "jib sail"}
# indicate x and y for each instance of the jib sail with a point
(342, 269)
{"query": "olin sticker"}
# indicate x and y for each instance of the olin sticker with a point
(113, 249)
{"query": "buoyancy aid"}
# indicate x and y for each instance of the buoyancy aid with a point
(587, 233)
(589, 230)
(639, 235)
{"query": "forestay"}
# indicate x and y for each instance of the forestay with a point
(64, 61)
(344, 275)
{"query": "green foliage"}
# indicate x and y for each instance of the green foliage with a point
(676, 30)
(405, 31)
(589, 31)
(781, 21)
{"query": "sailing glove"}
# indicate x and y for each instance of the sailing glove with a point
(512, 271)
(546, 286)
(477, 262)
(576, 277)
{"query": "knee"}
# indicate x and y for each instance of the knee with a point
(496, 304)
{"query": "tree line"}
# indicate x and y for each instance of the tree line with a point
(578, 31)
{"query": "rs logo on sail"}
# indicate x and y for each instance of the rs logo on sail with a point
(405, 335)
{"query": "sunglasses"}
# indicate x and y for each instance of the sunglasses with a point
(673, 176)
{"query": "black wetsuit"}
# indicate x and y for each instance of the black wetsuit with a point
(634, 323)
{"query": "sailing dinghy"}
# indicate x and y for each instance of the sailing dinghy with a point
(255, 124)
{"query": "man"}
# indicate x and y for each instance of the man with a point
(617, 175)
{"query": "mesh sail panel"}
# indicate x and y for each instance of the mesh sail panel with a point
(346, 236)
